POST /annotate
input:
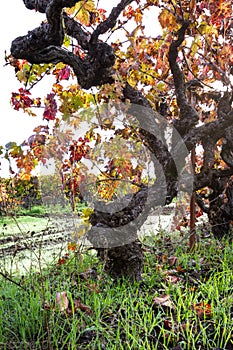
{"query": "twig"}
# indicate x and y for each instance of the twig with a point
(12, 281)
(190, 70)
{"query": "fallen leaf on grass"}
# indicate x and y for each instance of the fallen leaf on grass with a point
(172, 260)
(167, 324)
(65, 307)
(164, 301)
(62, 301)
(81, 306)
(172, 279)
(202, 309)
(170, 276)
(180, 269)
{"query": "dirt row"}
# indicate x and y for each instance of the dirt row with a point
(59, 230)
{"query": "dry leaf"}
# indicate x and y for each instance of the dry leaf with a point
(62, 301)
(172, 279)
(172, 260)
(202, 309)
(81, 306)
(167, 20)
(163, 300)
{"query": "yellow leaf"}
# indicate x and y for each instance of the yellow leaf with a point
(138, 16)
(89, 5)
(25, 176)
(82, 11)
(83, 17)
(167, 20)
(72, 246)
(86, 212)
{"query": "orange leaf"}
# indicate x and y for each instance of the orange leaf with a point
(202, 309)
(63, 260)
(72, 246)
(180, 269)
(167, 20)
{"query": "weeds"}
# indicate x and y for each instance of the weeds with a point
(184, 301)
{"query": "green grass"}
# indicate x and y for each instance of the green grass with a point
(41, 210)
(197, 313)
(34, 219)
(22, 224)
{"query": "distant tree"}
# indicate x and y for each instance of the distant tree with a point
(17, 192)
(28, 191)
(183, 75)
(6, 202)
(51, 190)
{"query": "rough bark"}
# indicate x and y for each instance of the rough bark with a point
(124, 261)
(188, 115)
(220, 208)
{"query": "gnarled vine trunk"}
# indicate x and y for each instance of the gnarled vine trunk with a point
(124, 261)
(220, 210)
(114, 235)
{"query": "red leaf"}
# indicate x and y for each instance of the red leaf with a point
(21, 100)
(64, 73)
(50, 107)
(63, 260)
(199, 213)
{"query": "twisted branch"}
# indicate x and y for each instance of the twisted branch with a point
(188, 115)
(43, 45)
(110, 22)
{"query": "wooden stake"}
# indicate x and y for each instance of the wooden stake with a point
(192, 225)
